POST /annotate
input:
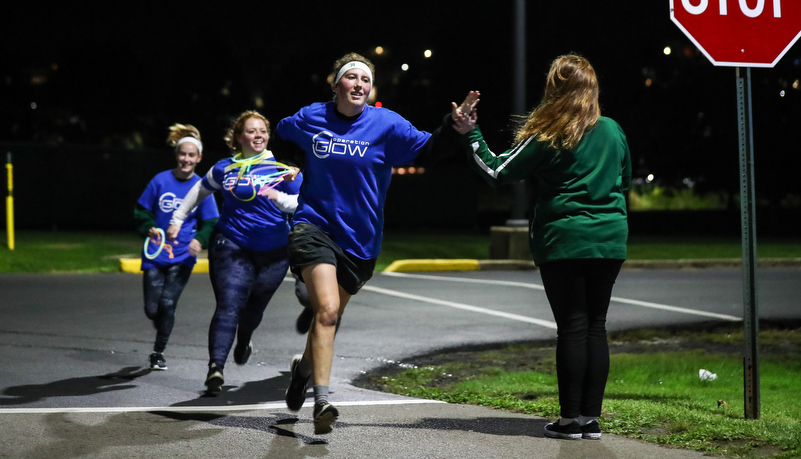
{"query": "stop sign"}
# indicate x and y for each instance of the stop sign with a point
(739, 33)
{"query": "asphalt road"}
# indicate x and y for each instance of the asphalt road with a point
(74, 380)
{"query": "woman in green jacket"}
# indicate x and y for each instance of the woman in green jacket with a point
(579, 167)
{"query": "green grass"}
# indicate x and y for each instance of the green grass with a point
(64, 251)
(653, 396)
(78, 252)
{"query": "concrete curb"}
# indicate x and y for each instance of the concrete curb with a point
(134, 265)
(515, 265)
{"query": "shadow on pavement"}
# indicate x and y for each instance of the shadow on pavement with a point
(252, 392)
(86, 385)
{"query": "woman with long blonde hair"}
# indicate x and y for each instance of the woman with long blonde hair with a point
(580, 167)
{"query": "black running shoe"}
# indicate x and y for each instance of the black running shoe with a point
(304, 321)
(215, 378)
(157, 361)
(571, 431)
(591, 431)
(324, 418)
(242, 353)
(296, 392)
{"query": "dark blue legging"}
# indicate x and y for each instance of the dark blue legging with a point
(579, 293)
(244, 280)
(163, 287)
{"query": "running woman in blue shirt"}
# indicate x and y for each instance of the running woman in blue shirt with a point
(346, 149)
(248, 248)
(165, 275)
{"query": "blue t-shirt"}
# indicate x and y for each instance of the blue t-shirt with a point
(162, 196)
(250, 220)
(348, 170)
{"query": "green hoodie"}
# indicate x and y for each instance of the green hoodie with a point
(578, 202)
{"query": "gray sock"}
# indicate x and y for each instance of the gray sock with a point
(321, 395)
(566, 421)
(584, 420)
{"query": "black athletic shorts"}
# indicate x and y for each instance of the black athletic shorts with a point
(309, 245)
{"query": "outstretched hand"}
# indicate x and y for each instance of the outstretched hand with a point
(465, 115)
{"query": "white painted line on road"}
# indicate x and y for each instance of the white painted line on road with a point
(466, 307)
(194, 409)
(616, 299)
(469, 281)
(665, 307)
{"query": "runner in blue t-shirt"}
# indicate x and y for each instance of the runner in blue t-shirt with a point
(248, 249)
(166, 268)
(346, 149)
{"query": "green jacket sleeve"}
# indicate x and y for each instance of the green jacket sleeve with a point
(513, 165)
(145, 219)
(204, 229)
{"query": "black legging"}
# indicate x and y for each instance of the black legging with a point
(579, 291)
(163, 287)
(244, 281)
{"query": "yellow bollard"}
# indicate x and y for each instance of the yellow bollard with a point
(10, 204)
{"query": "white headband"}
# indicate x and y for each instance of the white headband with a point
(193, 141)
(353, 65)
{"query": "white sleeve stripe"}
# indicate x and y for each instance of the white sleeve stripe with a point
(210, 179)
(512, 154)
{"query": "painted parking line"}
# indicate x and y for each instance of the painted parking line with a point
(465, 307)
(644, 304)
(193, 409)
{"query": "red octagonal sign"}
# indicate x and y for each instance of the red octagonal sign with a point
(740, 33)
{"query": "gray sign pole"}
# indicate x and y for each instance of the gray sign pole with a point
(748, 226)
(520, 204)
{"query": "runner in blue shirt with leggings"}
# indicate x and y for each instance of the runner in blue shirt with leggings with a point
(248, 249)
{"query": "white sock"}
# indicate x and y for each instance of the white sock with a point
(566, 421)
(584, 420)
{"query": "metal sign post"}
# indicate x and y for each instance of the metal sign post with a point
(748, 226)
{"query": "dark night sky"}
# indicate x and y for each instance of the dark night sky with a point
(118, 74)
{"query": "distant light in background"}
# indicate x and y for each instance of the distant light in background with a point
(379, 104)
(648, 82)
(427, 53)
(54, 66)
(405, 67)
(259, 101)
(781, 93)
(649, 178)
(33, 105)
(379, 50)
(796, 84)
(408, 170)
(667, 50)
(225, 91)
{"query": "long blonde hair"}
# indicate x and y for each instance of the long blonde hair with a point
(179, 131)
(569, 106)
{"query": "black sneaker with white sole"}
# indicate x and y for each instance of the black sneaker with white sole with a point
(571, 431)
(591, 431)
(296, 392)
(215, 378)
(324, 418)
(157, 361)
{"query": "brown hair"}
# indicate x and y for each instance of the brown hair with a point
(569, 106)
(350, 57)
(179, 131)
(239, 125)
